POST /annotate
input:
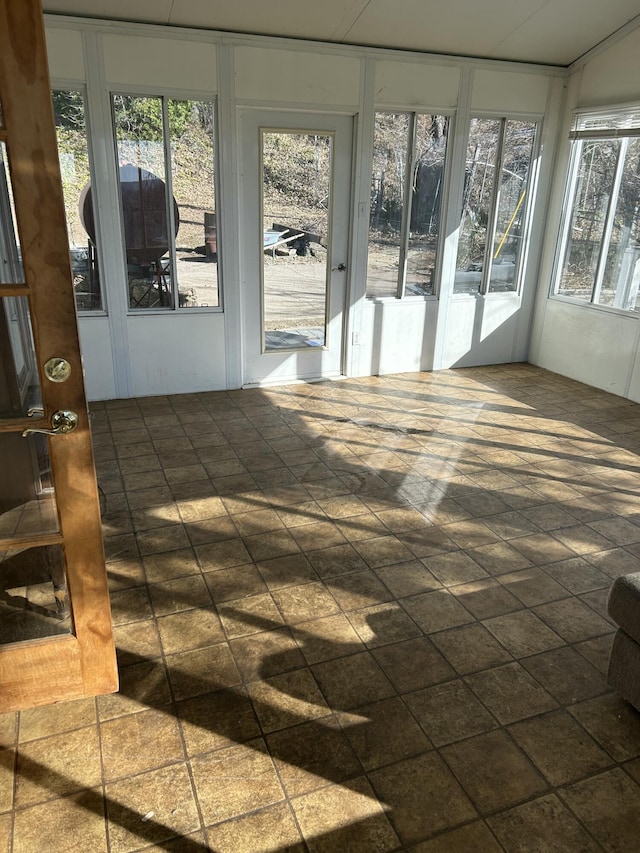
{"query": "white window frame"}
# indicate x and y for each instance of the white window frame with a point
(165, 96)
(401, 293)
(495, 203)
(620, 122)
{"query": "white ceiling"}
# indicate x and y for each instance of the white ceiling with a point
(556, 32)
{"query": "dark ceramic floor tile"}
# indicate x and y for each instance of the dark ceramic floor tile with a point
(238, 582)
(336, 560)
(358, 589)
(266, 653)
(47, 720)
(423, 797)
(222, 555)
(522, 633)
(286, 571)
(235, 780)
(620, 531)
(613, 723)
(597, 600)
(566, 675)
(427, 541)
(352, 681)
(499, 558)
(249, 615)
(174, 564)
(384, 733)
(271, 828)
(454, 568)
(577, 575)
(597, 651)
(615, 562)
(572, 620)
(474, 837)
(137, 641)
(436, 611)
(202, 671)
(344, 817)
(174, 808)
(139, 742)
(327, 638)
(582, 539)
(80, 816)
(142, 684)
(493, 771)
(383, 624)
(216, 720)
(287, 699)
(309, 755)
(486, 598)
(609, 806)
(470, 533)
(510, 693)
(266, 546)
(532, 586)
(550, 517)
(383, 551)
(190, 629)
(180, 594)
(406, 579)
(413, 664)
(316, 536)
(432, 708)
(544, 824)
(52, 767)
(470, 648)
(542, 548)
(305, 601)
(559, 747)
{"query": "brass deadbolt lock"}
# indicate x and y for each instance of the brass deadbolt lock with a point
(57, 369)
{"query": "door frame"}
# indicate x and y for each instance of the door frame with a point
(342, 126)
(37, 672)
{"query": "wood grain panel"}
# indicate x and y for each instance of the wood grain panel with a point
(29, 132)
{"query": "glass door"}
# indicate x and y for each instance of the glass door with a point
(56, 639)
(294, 240)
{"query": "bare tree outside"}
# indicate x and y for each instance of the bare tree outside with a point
(406, 192)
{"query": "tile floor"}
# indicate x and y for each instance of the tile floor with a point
(359, 616)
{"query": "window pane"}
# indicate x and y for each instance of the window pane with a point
(296, 199)
(33, 601)
(191, 130)
(143, 196)
(426, 196)
(390, 144)
(11, 271)
(20, 385)
(475, 223)
(512, 204)
(71, 133)
(621, 280)
(594, 181)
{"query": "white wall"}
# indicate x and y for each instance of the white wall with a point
(612, 76)
(395, 337)
(128, 355)
(597, 346)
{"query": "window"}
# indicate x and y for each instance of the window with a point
(406, 191)
(167, 193)
(71, 132)
(493, 225)
(600, 246)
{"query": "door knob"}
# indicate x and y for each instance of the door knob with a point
(61, 423)
(339, 268)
